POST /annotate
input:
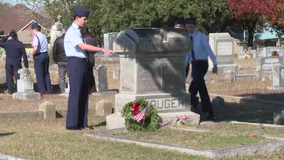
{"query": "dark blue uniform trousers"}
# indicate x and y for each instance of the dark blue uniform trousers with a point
(41, 65)
(12, 66)
(77, 114)
(199, 69)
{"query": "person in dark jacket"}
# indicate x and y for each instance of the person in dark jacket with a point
(15, 50)
(91, 41)
(60, 59)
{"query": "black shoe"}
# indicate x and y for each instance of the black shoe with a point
(73, 128)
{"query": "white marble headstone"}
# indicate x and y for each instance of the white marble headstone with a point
(25, 83)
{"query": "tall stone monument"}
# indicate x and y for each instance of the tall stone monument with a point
(222, 45)
(56, 31)
(25, 87)
(152, 67)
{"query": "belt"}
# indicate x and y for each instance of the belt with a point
(196, 61)
(36, 54)
(83, 59)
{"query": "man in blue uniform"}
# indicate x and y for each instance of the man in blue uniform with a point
(41, 60)
(59, 57)
(199, 62)
(15, 50)
(77, 70)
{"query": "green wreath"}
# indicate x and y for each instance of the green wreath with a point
(148, 123)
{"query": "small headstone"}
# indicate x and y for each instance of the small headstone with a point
(267, 63)
(218, 102)
(279, 118)
(103, 108)
(25, 87)
(49, 110)
(101, 78)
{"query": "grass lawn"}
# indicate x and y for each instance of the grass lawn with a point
(48, 140)
(195, 139)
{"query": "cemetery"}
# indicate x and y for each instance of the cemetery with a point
(246, 96)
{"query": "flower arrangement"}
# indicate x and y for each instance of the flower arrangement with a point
(274, 53)
(247, 56)
(140, 116)
(181, 120)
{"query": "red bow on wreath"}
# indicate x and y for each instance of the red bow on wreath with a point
(135, 108)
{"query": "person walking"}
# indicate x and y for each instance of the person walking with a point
(15, 51)
(77, 70)
(198, 56)
(41, 60)
(59, 57)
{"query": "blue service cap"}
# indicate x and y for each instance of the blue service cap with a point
(35, 25)
(13, 31)
(191, 20)
(81, 11)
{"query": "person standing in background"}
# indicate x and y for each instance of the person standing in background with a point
(41, 60)
(91, 40)
(59, 57)
(15, 50)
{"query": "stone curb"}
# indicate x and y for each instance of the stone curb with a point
(35, 115)
(6, 157)
(246, 150)
(245, 99)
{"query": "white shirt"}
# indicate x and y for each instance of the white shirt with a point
(73, 38)
(201, 48)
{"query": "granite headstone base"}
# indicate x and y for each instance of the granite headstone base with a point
(27, 96)
(164, 102)
(116, 120)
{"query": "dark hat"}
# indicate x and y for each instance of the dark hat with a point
(13, 31)
(191, 20)
(80, 11)
(35, 25)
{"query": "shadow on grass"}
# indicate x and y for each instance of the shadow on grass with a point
(3, 88)
(275, 97)
(246, 112)
(101, 124)
(6, 134)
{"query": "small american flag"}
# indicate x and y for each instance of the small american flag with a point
(138, 117)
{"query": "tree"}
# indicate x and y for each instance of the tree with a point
(252, 11)
(3, 8)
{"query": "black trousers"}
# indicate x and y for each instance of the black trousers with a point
(77, 114)
(12, 66)
(199, 69)
(41, 65)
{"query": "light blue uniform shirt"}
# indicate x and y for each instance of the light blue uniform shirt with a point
(40, 40)
(201, 48)
(73, 38)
